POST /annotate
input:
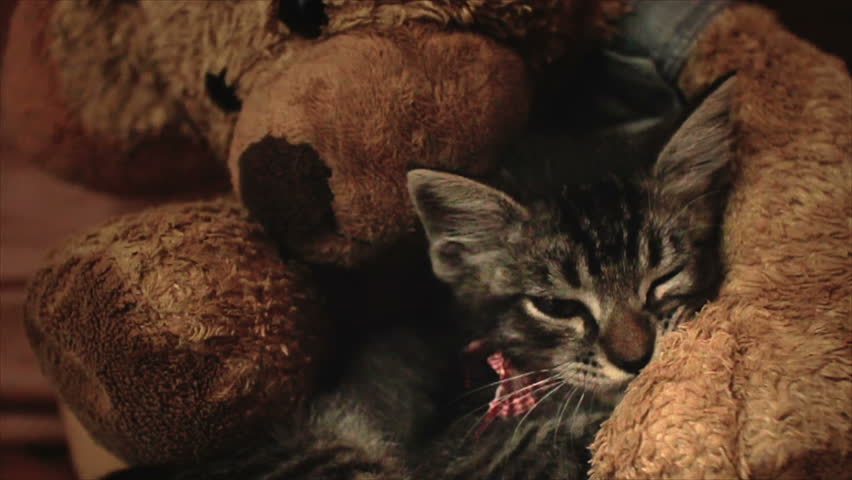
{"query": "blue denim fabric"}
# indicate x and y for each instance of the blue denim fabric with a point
(665, 31)
(638, 91)
(627, 98)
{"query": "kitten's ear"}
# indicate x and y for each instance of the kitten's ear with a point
(697, 157)
(463, 219)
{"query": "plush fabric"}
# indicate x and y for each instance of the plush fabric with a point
(759, 385)
(125, 97)
(118, 89)
(42, 116)
(165, 328)
(357, 124)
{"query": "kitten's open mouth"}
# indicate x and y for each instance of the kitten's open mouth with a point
(519, 392)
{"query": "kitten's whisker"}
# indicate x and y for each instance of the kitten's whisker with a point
(576, 409)
(524, 389)
(502, 398)
(537, 387)
(528, 390)
(562, 410)
(542, 399)
(478, 423)
(467, 415)
(498, 382)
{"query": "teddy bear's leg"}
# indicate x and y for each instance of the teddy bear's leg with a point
(168, 333)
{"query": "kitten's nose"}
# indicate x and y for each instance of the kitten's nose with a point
(628, 341)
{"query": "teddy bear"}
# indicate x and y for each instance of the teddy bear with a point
(289, 127)
(221, 309)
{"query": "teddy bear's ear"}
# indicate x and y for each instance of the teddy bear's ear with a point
(462, 218)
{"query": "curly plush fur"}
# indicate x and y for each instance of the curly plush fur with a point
(759, 384)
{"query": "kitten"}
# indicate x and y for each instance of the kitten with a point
(564, 292)
(573, 288)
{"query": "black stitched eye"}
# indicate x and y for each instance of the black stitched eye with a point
(222, 94)
(303, 17)
(559, 308)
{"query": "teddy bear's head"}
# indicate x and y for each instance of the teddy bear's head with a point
(315, 107)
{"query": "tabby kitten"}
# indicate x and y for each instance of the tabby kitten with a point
(573, 289)
(564, 293)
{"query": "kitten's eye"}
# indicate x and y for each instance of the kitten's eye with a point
(558, 308)
(663, 285)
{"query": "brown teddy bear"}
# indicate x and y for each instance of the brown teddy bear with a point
(155, 96)
(171, 332)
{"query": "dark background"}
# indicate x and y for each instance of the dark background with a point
(825, 23)
(36, 210)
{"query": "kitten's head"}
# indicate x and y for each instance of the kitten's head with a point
(584, 281)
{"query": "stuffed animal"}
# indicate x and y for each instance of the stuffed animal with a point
(759, 385)
(158, 96)
(174, 331)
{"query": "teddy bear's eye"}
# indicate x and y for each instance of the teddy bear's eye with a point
(303, 17)
(222, 94)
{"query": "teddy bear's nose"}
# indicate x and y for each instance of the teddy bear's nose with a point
(303, 17)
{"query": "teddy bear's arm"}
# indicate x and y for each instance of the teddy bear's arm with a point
(757, 386)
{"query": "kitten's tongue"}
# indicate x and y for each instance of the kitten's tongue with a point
(516, 392)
